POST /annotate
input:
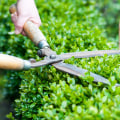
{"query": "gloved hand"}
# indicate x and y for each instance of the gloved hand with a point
(26, 10)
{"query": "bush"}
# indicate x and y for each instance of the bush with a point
(110, 10)
(46, 93)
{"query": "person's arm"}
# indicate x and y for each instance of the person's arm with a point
(26, 10)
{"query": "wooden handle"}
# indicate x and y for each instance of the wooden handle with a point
(11, 63)
(32, 31)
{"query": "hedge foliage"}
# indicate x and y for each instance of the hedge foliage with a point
(46, 93)
(110, 10)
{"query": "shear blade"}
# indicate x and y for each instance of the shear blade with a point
(86, 54)
(73, 70)
(75, 54)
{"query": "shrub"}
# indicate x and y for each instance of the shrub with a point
(46, 93)
(110, 10)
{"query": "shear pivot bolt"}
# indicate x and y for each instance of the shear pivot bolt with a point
(52, 56)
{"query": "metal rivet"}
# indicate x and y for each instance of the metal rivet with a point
(52, 56)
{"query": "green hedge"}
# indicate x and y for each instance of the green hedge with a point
(46, 93)
(111, 11)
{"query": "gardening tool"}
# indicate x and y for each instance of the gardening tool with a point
(50, 56)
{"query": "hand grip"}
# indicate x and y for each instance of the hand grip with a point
(32, 31)
(13, 63)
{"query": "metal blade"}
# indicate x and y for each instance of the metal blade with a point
(86, 54)
(64, 56)
(73, 70)
(45, 62)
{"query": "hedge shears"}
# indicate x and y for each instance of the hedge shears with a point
(50, 56)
